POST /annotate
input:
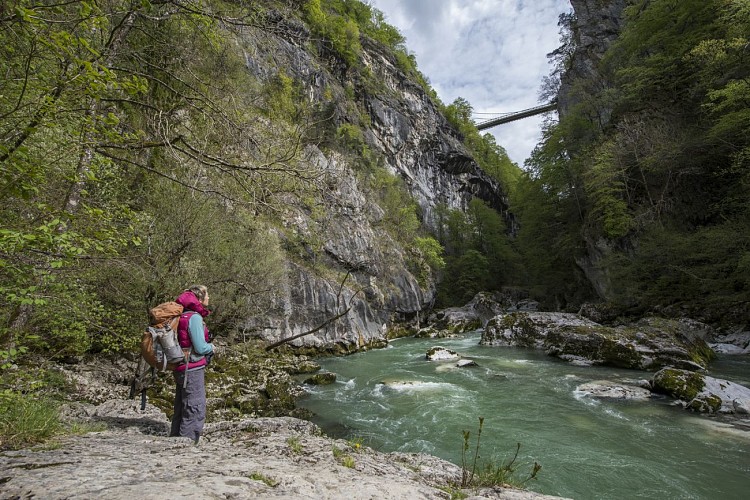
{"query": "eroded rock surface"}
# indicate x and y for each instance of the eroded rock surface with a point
(256, 458)
(607, 389)
(648, 344)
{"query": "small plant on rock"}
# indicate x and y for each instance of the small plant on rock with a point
(25, 421)
(295, 445)
(492, 472)
(355, 444)
(259, 476)
(343, 458)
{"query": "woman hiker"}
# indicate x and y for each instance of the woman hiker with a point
(190, 392)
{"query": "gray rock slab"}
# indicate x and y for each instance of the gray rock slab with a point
(612, 390)
(252, 458)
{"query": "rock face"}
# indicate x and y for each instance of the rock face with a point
(419, 144)
(596, 24)
(403, 128)
(256, 458)
(701, 393)
(649, 344)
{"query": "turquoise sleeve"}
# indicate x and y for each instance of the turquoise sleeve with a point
(198, 336)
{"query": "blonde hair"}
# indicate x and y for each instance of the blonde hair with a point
(200, 291)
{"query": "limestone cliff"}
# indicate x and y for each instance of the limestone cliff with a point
(596, 25)
(404, 129)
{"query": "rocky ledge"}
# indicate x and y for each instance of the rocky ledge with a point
(281, 457)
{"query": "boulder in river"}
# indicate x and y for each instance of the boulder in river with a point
(702, 393)
(321, 379)
(612, 390)
(734, 343)
(648, 344)
(453, 321)
(439, 353)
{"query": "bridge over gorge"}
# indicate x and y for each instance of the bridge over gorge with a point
(499, 119)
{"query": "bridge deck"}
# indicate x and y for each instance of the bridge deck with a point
(510, 117)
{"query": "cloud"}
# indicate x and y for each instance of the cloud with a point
(493, 53)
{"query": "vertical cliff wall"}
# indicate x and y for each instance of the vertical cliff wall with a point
(596, 25)
(404, 129)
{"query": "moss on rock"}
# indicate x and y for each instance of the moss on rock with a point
(321, 379)
(710, 403)
(680, 384)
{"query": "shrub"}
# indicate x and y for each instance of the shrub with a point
(25, 421)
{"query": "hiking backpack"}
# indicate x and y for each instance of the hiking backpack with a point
(160, 349)
(159, 345)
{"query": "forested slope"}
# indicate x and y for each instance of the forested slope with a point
(644, 182)
(287, 154)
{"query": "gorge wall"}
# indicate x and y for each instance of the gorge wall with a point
(596, 25)
(404, 129)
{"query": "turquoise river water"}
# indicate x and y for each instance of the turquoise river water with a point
(588, 449)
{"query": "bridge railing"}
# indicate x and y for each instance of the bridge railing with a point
(518, 115)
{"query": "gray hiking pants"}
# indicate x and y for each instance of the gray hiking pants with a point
(189, 404)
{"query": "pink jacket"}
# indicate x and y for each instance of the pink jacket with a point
(191, 305)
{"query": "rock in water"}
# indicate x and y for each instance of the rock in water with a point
(439, 353)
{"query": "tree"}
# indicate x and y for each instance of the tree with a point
(102, 100)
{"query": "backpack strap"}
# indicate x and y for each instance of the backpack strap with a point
(187, 367)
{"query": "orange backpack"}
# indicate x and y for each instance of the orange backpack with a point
(159, 345)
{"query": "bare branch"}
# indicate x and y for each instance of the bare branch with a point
(326, 322)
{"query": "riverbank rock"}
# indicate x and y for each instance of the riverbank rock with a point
(648, 344)
(439, 353)
(242, 381)
(253, 458)
(702, 393)
(735, 343)
(453, 321)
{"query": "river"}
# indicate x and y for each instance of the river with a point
(588, 448)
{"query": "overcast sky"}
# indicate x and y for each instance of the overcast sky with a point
(493, 53)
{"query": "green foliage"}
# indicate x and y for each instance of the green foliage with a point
(492, 472)
(137, 156)
(658, 36)
(295, 445)
(282, 97)
(650, 162)
(267, 480)
(480, 255)
(26, 420)
(606, 187)
(707, 266)
(341, 31)
(400, 209)
(431, 251)
(343, 22)
(465, 276)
